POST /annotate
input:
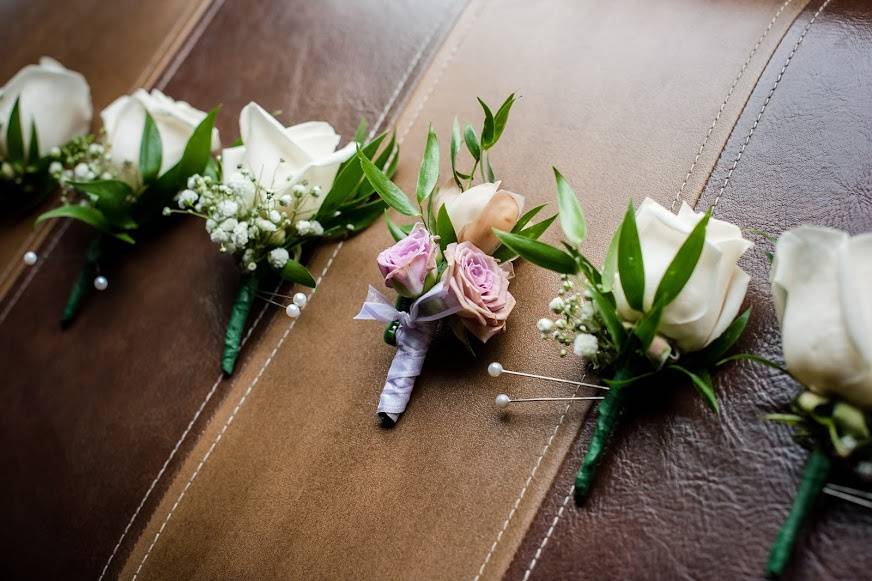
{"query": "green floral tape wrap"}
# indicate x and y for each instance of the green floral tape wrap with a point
(607, 415)
(236, 325)
(814, 478)
(84, 284)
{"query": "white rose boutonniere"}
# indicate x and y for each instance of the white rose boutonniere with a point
(666, 301)
(120, 182)
(43, 107)
(280, 189)
(822, 288)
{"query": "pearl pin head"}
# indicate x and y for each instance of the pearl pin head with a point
(101, 283)
(300, 300)
(293, 311)
(502, 401)
(30, 258)
(495, 369)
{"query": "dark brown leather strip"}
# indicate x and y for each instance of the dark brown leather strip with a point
(684, 494)
(91, 414)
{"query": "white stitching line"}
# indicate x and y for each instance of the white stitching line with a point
(391, 100)
(527, 483)
(34, 269)
(178, 445)
(766, 102)
(726, 99)
(559, 514)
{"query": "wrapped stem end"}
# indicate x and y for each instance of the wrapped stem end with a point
(814, 479)
(236, 324)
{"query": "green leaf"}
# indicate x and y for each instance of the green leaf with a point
(571, 216)
(716, 350)
(538, 253)
(150, 150)
(356, 219)
(385, 188)
(525, 219)
(609, 315)
(683, 264)
(488, 169)
(429, 173)
(347, 180)
(296, 272)
(629, 380)
(454, 150)
(536, 230)
(33, 149)
(487, 131)
(112, 199)
(14, 138)
(586, 266)
(213, 170)
(630, 266)
(444, 228)
(791, 419)
(360, 132)
(194, 158)
(703, 384)
(87, 214)
(502, 117)
(397, 232)
(471, 141)
(610, 267)
(754, 358)
(646, 327)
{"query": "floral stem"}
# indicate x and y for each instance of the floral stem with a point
(84, 284)
(814, 477)
(238, 316)
(607, 415)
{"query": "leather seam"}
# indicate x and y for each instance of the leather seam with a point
(390, 103)
(720, 112)
(796, 46)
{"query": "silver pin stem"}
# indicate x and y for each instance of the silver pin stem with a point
(503, 400)
(556, 379)
(849, 497)
(852, 491)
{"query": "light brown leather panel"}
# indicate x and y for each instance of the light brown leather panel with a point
(293, 478)
(117, 46)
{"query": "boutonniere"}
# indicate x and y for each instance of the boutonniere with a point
(822, 288)
(664, 304)
(42, 108)
(277, 192)
(448, 265)
(119, 181)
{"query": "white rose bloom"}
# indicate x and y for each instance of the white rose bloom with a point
(714, 293)
(56, 99)
(124, 121)
(822, 287)
(280, 158)
(475, 212)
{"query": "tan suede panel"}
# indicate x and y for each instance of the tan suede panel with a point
(293, 478)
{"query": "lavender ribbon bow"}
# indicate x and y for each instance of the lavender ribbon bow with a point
(414, 335)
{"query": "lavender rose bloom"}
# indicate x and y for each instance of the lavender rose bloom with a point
(481, 287)
(409, 266)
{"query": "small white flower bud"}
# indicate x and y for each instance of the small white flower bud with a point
(81, 171)
(55, 151)
(7, 170)
(278, 257)
(545, 325)
(585, 345)
(55, 168)
(556, 305)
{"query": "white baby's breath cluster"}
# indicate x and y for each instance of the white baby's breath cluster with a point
(86, 158)
(576, 324)
(247, 220)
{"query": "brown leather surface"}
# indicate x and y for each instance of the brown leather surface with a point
(292, 478)
(117, 46)
(91, 414)
(683, 495)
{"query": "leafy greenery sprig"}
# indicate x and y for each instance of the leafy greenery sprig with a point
(25, 180)
(633, 361)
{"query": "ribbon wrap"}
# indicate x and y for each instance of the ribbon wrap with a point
(416, 330)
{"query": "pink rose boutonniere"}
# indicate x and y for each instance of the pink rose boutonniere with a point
(448, 265)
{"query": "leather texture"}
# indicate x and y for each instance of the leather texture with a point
(292, 477)
(684, 494)
(97, 40)
(94, 414)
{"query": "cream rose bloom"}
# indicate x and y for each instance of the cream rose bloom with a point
(476, 211)
(56, 99)
(280, 158)
(822, 286)
(712, 296)
(124, 121)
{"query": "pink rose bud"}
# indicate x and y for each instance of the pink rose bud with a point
(409, 266)
(481, 287)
